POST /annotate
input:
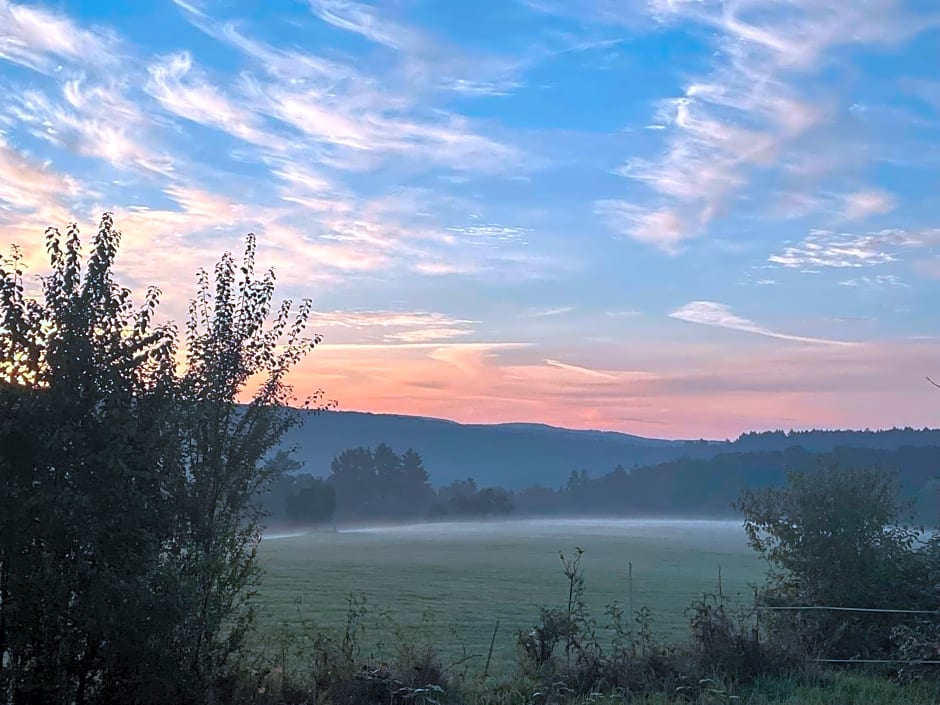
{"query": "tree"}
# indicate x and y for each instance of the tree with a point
(835, 537)
(415, 483)
(128, 519)
(577, 481)
(312, 504)
(226, 448)
(380, 483)
(464, 498)
(352, 474)
(85, 397)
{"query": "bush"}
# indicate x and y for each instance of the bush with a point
(730, 646)
(316, 665)
(838, 538)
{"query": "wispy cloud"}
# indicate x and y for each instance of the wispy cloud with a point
(425, 63)
(824, 248)
(710, 313)
(92, 119)
(550, 312)
(441, 269)
(580, 370)
(27, 186)
(491, 232)
(395, 326)
(344, 117)
(38, 39)
(662, 228)
(425, 335)
(182, 90)
(879, 281)
(593, 12)
(362, 19)
(385, 319)
(864, 204)
(32, 197)
(362, 135)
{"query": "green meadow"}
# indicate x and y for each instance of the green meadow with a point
(450, 583)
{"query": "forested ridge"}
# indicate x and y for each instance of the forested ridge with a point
(376, 484)
(516, 456)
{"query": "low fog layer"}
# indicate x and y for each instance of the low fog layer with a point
(567, 532)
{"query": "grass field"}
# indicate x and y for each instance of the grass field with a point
(451, 582)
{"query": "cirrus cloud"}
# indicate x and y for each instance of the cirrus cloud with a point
(710, 313)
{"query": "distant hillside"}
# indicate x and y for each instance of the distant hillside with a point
(519, 455)
(508, 455)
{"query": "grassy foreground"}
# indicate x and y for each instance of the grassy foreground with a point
(839, 689)
(441, 588)
(833, 689)
(450, 583)
(826, 688)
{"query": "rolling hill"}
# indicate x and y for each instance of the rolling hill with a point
(517, 455)
(509, 455)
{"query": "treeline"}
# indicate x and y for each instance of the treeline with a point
(710, 487)
(380, 485)
(827, 440)
(377, 484)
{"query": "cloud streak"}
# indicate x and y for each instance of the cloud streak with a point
(579, 370)
(710, 313)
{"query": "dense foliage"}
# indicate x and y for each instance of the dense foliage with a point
(312, 503)
(128, 524)
(380, 483)
(839, 538)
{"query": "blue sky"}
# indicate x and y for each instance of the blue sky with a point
(674, 217)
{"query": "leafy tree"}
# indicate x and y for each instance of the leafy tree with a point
(386, 465)
(272, 500)
(226, 449)
(128, 519)
(466, 499)
(415, 482)
(85, 396)
(352, 474)
(835, 538)
(312, 504)
(380, 483)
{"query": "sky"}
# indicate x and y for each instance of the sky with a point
(673, 218)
